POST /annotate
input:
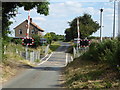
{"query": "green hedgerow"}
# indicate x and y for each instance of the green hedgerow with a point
(106, 51)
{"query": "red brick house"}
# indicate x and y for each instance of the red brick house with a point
(21, 29)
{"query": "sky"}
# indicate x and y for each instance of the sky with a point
(63, 11)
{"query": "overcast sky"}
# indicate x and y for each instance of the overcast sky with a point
(63, 11)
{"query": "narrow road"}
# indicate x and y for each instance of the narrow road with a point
(46, 75)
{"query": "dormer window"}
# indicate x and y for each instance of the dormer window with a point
(20, 31)
(32, 31)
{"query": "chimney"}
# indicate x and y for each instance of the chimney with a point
(30, 19)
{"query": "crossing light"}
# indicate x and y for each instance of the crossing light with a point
(84, 43)
(27, 41)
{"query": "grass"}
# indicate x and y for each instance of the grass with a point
(88, 74)
(0, 50)
(54, 46)
(12, 63)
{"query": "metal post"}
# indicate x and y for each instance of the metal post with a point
(78, 30)
(114, 21)
(101, 10)
(119, 19)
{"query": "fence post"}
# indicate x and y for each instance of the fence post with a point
(46, 49)
(16, 51)
(4, 49)
(74, 52)
(38, 55)
(31, 56)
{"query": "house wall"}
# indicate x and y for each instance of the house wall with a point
(23, 27)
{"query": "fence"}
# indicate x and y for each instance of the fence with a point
(79, 52)
(33, 55)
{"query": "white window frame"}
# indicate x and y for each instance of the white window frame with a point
(32, 31)
(20, 31)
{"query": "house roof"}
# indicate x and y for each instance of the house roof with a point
(32, 23)
(37, 26)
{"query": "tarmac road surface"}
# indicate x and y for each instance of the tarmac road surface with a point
(46, 75)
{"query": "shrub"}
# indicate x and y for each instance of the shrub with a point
(107, 51)
(37, 40)
(17, 41)
(93, 53)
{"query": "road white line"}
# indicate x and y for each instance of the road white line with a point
(44, 57)
(66, 59)
(45, 60)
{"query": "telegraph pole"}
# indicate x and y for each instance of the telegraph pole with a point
(114, 21)
(101, 10)
(119, 20)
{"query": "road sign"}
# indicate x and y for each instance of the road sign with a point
(27, 41)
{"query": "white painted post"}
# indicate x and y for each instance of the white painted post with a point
(74, 51)
(27, 34)
(31, 54)
(39, 55)
(78, 30)
(16, 51)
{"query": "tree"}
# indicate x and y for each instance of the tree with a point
(68, 35)
(60, 37)
(54, 36)
(9, 10)
(48, 36)
(36, 40)
(86, 24)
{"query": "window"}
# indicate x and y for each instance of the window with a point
(32, 31)
(20, 31)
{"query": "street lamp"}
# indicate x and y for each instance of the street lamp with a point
(101, 10)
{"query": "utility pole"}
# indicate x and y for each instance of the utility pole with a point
(78, 30)
(114, 21)
(27, 34)
(101, 10)
(119, 20)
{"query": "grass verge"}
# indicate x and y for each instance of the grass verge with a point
(12, 63)
(82, 74)
(54, 46)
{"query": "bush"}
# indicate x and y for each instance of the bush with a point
(17, 41)
(107, 51)
(37, 40)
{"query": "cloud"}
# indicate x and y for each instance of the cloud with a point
(65, 8)
(39, 19)
(91, 10)
(108, 10)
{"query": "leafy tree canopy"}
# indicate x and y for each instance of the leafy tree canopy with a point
(9, 10)
(86, 24)
(53, 37)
